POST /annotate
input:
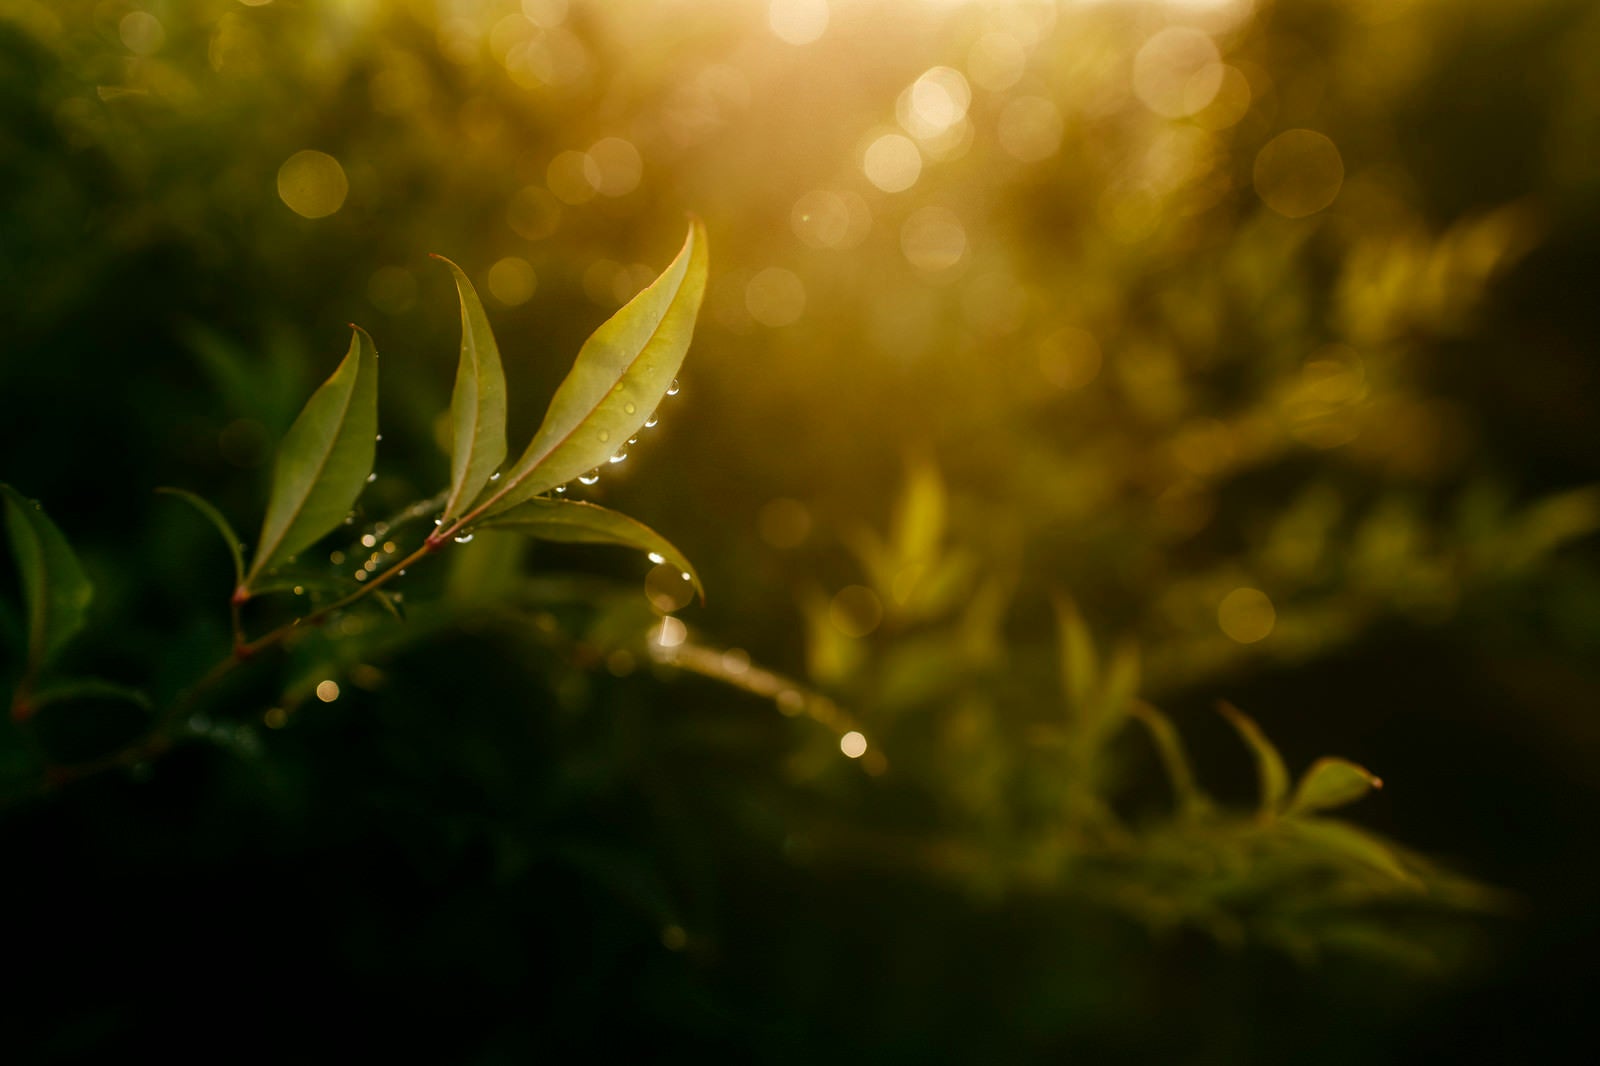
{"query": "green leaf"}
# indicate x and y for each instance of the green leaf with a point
(574, 522)
(201, 504)
(1121, 684)
(919, 516)
(1174, 758)
(478, 404)
(1274, 777)
(324, 460)
(1331, 783)
(1079, 664)
(1347, 841)
(88, 688)
(622, 372)
(54, 586)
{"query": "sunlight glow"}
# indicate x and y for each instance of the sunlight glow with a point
(1246, 615)
(892, 162)
(1299, 173)
(312, 184)
(798, 21)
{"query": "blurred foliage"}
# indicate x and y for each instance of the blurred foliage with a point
(1255, 334)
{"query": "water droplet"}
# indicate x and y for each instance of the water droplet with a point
(372, 477)
(672, 390)
(561, 490)
(591, 477)
(622, 453)
(437, 522)
(299, 590)
(656, 557)
(379, 436)
(349, 520)
(495, 476)
(605, 435)
(685, 575)
(465, 538)
(402, 574)
(629, 407)
(650, 423)
(633, 440)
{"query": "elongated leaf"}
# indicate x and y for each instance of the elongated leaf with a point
(1273, 775)
(1121, 684)
(201, 504)
(478, 404)
(1350, 842)
(324, 460)
(573, 522)
(1331, 783)
(1174, 758)
(1079, 664)
(54, 585)
(622, 372)
(88, 688)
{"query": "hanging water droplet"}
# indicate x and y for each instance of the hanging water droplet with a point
(379, 436)
(685, 575)
(633, 440)
(372, 477)
(591, 477)
(604, 435)
(656, 557)
(672, 390)
(650, 423)
(401, 574)
(465, 538)
(495, 476)
(629, 407)
(561, 490)
(438, 522)
(622, 453)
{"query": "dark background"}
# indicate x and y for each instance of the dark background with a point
(501, 842)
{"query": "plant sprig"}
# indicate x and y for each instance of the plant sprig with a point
(627, 366)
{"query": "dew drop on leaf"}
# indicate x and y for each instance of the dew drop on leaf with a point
(650, 422)
(622, 453)
(656, 557)
(629, 407)
(465, 538)
(591, 477)
(672, 390)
